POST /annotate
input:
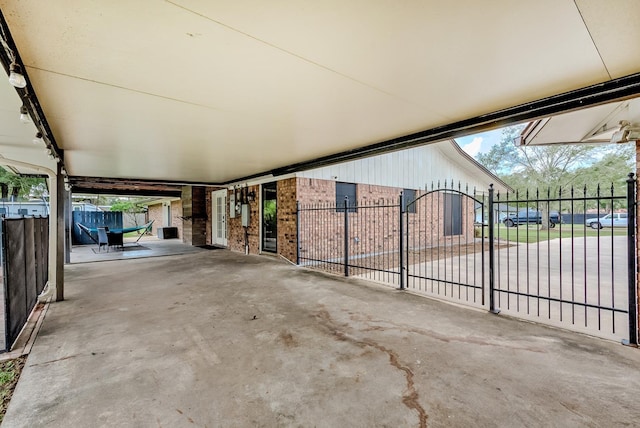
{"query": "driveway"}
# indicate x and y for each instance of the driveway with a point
(221, 339)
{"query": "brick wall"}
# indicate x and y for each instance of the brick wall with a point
(286, 205)
(236, 232)
(374, 227)
(155, 213)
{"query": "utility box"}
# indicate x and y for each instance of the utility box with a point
(245, 211)
(167, 232)
(232, 205)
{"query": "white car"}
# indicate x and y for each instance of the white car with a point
(610, 220)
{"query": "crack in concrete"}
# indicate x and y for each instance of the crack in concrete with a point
(52, 361)
(446, 339)
(410, 397)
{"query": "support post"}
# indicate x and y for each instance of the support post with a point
(401, 241)
(346, 236)
(68, 224)
(631, 262)
(492, 255)
(60, 234)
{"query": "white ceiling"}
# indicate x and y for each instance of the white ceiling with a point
(210, 91)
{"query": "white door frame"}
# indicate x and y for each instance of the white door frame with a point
(219, 217)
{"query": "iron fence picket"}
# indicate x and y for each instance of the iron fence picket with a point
(571, 280)
(572, 266)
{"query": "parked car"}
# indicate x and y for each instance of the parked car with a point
(610, 220)
(530, 217)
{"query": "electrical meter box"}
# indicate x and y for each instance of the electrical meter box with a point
(245, 215)
(232, 205)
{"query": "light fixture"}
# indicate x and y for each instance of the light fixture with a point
(24, 115)
(15, 76)
(38, 138)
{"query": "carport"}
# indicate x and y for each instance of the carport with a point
(191, 93)
(167, 96)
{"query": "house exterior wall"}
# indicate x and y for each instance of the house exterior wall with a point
(287, 229)
(372, 230)
(374, 226)
(379, 179)
(176, 216)
(414, 168)
(155, 213)
(235, 231)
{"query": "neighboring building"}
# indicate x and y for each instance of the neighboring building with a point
(36, 208)
(271, 223)
(24, 208)
(165, 212)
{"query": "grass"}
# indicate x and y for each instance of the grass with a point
(530, 233)
(9, 374)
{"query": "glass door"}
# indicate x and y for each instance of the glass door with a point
(269, 218)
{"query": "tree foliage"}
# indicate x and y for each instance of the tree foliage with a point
(561, 169)
(557, 168)
(21, 187)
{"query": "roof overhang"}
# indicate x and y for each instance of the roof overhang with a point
(617, 122)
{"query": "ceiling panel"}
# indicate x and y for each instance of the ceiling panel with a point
(200, 91)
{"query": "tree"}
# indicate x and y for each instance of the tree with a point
(500, 158)
(20, 186)
(130, 208)
(556, 169)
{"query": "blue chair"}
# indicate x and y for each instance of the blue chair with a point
(103, 238)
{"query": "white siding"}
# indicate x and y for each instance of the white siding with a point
(410, 169)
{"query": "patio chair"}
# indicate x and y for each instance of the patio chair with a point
(103, 238)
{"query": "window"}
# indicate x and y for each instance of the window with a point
(23, 211)
(408, 196)
(345, 190)
(452, 214)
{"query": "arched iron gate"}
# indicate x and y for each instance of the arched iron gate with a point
(490, 250)
(444, 246)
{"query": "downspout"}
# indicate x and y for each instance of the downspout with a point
(51, 287)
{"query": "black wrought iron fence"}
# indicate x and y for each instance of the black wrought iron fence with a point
(445, 246)
(354, 239)
(574, 274)
(566, 258)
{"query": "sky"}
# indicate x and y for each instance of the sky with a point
(479, 143)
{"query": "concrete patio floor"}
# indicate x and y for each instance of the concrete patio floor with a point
(215, 338)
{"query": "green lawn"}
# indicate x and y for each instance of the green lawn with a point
(531, 233)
